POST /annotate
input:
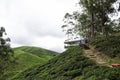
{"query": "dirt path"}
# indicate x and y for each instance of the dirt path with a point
(94, 55)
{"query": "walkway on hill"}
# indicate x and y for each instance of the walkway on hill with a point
(95, 55)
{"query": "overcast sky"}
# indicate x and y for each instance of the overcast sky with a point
(35, 22)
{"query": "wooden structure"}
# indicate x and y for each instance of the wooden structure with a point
(72, 43)
(81, 43)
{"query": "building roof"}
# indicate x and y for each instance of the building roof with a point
(72, 41)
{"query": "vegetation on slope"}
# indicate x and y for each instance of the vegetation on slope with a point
(6, 54)
(29, 57)
(109, 46)
(70, 65)
(37, 51)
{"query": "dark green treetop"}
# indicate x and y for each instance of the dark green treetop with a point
(6, 53)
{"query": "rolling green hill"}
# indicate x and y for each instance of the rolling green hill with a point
(27, 57)
(73, 64)
(36, 51)
(70, 65)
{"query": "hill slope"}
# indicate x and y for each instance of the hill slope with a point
(70, 65)
(109, 48)
(27, 57)
(36, 51)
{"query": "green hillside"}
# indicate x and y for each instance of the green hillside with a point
(36, 51)
(109, 48)
(27, 57)
(70, 65)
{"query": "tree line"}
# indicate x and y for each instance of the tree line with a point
(6, 54)
(94, 20)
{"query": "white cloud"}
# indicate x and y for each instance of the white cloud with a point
(50, 42)
(34, 22)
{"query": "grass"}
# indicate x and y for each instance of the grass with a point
(37, 51)
(27, 57)
(70, 65)
(109, 46)
(73, 65)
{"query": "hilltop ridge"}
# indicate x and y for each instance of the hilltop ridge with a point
(28, 56)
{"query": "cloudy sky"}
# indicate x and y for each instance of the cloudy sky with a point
(35, 22)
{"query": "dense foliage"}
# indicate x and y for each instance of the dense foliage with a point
(26, 57)
(70, 65)
(6, 54)
(109, 46)
(93, 20)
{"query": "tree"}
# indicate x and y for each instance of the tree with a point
(89, 6)
(99, 11)
(93, 21)
(6, 53)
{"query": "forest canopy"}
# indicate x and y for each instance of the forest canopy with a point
(96, 19)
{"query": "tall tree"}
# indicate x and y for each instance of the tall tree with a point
(89, 7)
(6, 53)
(104, 9)
(94, 19)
